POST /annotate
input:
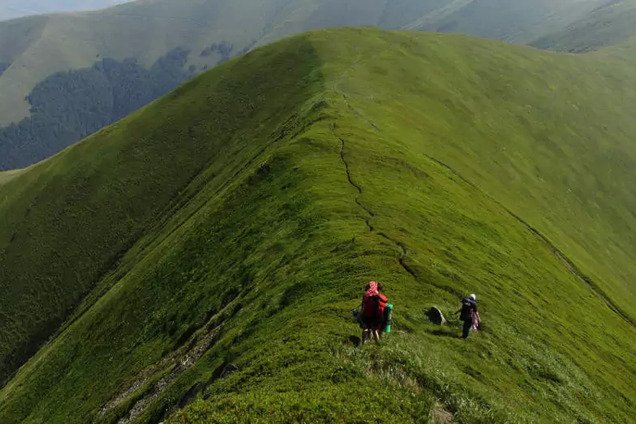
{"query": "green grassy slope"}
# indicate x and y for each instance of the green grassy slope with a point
(612, 24)
(104, 85)
(55, 213)
(542, 138)
(8, 175)
(147, 30)
(409, 158)
(144, 30)
(624, 52)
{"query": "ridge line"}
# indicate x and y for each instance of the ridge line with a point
(179, 203)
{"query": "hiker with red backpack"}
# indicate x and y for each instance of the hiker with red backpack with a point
(372, 314)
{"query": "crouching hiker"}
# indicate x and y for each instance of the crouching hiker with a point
(469, 314)
(372, 315)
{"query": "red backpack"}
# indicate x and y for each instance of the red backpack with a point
(373, 304)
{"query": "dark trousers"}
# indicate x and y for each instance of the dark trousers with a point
(466, 328)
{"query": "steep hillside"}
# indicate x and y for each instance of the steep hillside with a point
(64, 76)
(612, 24)
(215, 242)
(67, 257)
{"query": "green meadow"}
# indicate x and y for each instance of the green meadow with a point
(198, 261)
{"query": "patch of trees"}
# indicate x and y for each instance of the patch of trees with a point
(69, 106)
(223, 49)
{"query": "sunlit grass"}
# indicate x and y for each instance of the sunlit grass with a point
(318, 164)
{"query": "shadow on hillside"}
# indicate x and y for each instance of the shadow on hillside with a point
(354, 340)
(445, 333)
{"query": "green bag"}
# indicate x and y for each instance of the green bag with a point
(388, 317)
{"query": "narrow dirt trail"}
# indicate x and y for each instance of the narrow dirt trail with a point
(370, 214)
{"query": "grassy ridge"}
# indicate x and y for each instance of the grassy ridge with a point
(147, 30)
(8, 175)
(57, 238)
(555, 127)
(327, 175)
(87, 70)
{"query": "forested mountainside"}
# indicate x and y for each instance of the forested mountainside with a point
(71, 105)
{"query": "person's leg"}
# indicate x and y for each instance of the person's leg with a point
(376, 336)
(466, 329)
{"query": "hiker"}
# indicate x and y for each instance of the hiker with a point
(372, 312)
(469, 314)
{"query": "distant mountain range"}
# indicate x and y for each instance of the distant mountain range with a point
(611, 24)
(11, 9)
(62, 77)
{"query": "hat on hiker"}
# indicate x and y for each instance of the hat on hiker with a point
(473, 296)
(372, 288)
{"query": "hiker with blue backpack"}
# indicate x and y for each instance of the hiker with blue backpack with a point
(470, 315)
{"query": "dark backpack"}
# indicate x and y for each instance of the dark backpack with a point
(467, 307)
